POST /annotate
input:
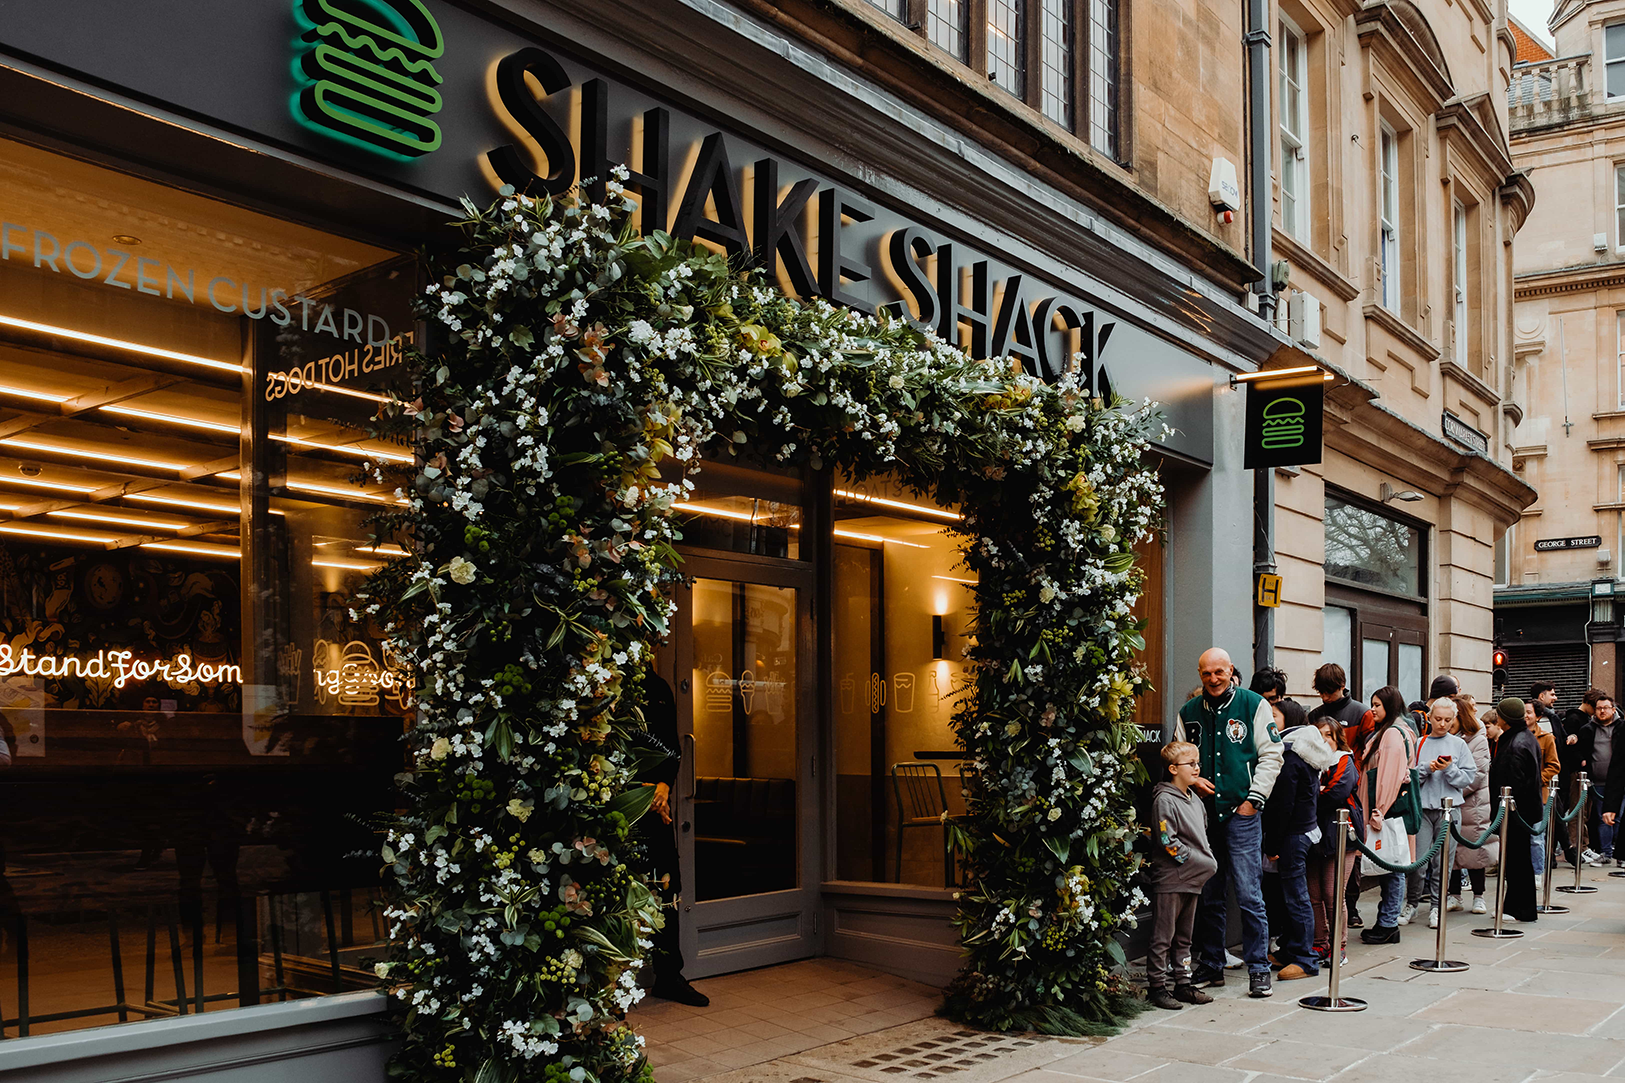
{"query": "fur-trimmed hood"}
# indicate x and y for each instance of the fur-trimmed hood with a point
(1310, 746)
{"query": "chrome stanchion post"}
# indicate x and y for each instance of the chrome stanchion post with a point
(1580, 844)
(1509, 807)
(1554, 823)
(1331, 1002)
(1439, 964)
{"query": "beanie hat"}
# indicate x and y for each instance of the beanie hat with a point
(1510, 709)
(1445, 686)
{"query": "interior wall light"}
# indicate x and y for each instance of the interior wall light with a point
(117, 520)
(223, 551)
(91, 453)
(347, 565)
(901, 505)
(118, 344)
(55, 535)
(190, 504)
(1388, 494)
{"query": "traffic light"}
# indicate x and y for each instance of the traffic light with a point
(1499, 677)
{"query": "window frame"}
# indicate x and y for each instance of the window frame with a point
(1294, 42)
(1608, 61)
(1458, 278)
(1619, 357)
(1619, 206)
(1388, 211)
(1085, 84)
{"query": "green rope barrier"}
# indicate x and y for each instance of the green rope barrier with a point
(1545, 818)
(1489, 832)
(1414, 865)
(1575, 811)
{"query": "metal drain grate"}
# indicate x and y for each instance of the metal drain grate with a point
(943, 1056)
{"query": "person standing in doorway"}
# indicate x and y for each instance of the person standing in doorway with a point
(660, 722)
(1234, 731)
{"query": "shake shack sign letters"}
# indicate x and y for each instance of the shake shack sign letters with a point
(470, 104)
(817, 238)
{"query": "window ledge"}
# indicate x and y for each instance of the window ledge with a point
(881, 889)
(1300, 256)
(1472, 383)
(1402, 331)
(1606, 415)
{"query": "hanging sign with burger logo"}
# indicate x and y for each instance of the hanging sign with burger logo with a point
(1284, 422)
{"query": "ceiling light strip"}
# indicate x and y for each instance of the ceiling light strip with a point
(196, 550)
(90, 453)
(118, 344)
(902, 505)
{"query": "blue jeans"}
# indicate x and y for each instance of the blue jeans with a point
(1238, 844)
(1393, 897)
(1296, 942)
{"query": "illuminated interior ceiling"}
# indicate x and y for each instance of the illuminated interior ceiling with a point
(121, 414)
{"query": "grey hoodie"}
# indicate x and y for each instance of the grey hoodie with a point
(1181, 860)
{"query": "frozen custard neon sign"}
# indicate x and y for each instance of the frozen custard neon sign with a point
(121, 667)
(368, 76)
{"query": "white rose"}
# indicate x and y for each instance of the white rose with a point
(381, 969)
(439, 749)
(462, 570)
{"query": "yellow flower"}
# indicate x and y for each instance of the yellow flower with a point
(440, 749)
(520, 810)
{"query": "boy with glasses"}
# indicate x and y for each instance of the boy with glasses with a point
(1181, 864)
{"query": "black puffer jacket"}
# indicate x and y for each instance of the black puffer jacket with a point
(1293, 807)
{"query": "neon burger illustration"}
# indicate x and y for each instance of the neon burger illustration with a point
(370, 78)
(1283, 424)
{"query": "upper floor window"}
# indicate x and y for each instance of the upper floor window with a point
(1061, 57)
(1294, 131)
(1613, 46)
(1458, 279)
(1619, 357)
(1619, 206)
(1388, 199)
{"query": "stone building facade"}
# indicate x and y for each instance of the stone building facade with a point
(1396, 203)
(1568, 135)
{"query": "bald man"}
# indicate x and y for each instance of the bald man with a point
(1240, 753)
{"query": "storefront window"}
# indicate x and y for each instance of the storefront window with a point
(902, 610)
(198, 728)
(1372, 550)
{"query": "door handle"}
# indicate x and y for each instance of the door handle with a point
(689, 760)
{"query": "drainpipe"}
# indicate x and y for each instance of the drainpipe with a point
(1259, 135)
(1260, 201)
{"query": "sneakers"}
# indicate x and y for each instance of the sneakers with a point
(1258, 985)
(1593, 858)
(1207, 977)
(1406, 913)
(1454, 904)
(1354, 921)
(1292, 972)
(1478, 905)
(1379, 935)
(1233, 962)
(1433, 917)
(1190, 994)
(1162, 998)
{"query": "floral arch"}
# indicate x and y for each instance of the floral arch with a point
(584, 370)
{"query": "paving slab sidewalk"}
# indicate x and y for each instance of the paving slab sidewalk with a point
(1546, 1008)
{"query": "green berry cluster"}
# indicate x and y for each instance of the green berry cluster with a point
(510, 679)
(477, 791)
(563, 513)
(477, 538)
(556, 970)
(503, 857)
(447, 1057)
(555, 921)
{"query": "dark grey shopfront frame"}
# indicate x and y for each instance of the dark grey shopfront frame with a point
(83, 89)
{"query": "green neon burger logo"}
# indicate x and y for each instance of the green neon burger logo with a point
(1283, 424)
(367, 76)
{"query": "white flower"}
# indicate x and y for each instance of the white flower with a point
(381, 969)
(1054, 814)
(462, 570)
(896, 382)
(520, 810)
(439, 749)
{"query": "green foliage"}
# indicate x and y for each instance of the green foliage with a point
(584, 372)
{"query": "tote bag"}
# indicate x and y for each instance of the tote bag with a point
(1392, 844)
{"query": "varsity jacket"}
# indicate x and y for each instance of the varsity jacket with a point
(1239, 748)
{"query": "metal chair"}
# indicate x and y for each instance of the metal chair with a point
(921, 802)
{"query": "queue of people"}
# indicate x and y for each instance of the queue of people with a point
(1247, 800)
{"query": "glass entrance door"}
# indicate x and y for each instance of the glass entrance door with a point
(746, 811)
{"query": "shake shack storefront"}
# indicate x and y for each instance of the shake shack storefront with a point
(207, 220)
